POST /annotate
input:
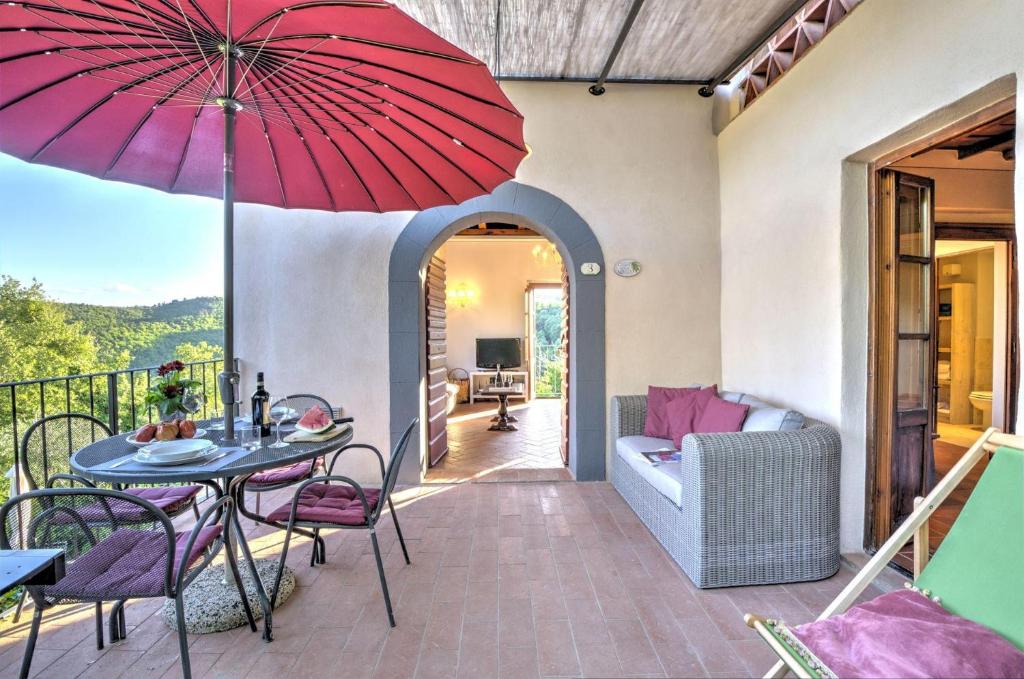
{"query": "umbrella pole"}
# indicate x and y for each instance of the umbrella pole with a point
(229, 378)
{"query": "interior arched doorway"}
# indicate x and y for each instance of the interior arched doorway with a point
(513, 203)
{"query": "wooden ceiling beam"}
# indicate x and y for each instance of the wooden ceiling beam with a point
(985, 144)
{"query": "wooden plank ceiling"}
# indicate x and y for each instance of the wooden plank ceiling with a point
(996, 136)
(676, 40)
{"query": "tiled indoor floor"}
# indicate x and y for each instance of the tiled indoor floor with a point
(478, 455)
(508, 580)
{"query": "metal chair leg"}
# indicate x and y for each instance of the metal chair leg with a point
(323, 547)
(30, 645)
(99, 625)
(195, 508)
(383, 580)
(258, 502)
(398, 529)
(316, 557)
(117, 627)
(179, 610)
(280, 566)
(21, 604)
(233, 563)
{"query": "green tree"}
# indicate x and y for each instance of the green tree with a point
(188, 352)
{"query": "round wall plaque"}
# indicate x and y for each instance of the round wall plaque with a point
(627, 268)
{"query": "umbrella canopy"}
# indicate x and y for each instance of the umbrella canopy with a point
(328, 104)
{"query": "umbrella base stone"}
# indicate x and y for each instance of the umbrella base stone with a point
(212, 603)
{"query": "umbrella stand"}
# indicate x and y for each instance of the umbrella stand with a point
(229, 377)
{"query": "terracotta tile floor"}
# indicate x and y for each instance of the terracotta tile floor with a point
(507, 580)
(478, 455)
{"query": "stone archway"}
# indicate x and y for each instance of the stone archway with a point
(515, 203)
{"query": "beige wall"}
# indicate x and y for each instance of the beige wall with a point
(794, 200)
(498, 271)
(638, 164)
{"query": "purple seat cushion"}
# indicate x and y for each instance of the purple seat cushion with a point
(283, 475)
(170, 499)
(321, 503)
(720, 416)
(656, 421)
(128, 562)
(905, 634)
(684, 412)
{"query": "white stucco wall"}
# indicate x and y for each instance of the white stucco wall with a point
(638, 164)
(794, 214)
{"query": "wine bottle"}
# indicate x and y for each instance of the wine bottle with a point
(261, 407)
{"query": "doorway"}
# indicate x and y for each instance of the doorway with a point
(496, 330)
(944, 308)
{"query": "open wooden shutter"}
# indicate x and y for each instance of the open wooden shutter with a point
(437, 362)
(565, 366)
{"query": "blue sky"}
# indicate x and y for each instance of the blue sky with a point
(101, 242)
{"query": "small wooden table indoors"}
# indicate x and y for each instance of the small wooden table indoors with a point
(503, 420)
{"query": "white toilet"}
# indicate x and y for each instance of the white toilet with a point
(982, 400)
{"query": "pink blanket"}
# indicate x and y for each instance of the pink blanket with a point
(905, 634)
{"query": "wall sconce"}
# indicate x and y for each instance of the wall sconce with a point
(545, 252)
(461, 295)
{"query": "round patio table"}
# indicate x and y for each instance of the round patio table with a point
(93, 460)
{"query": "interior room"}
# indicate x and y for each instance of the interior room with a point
(504, 316)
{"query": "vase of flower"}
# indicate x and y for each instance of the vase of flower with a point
(168, 392)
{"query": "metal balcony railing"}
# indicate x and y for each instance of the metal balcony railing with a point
(547, 370)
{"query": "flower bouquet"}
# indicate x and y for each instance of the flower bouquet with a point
(168, 392)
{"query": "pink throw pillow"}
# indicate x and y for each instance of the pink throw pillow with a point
(656, 422)
(720, 416)
(685, 411)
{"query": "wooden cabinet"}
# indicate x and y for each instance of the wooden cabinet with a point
(955, 360)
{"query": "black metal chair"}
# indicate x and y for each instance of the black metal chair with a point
(282, 477)
(108, 559)
(44, 459)
(318, 505)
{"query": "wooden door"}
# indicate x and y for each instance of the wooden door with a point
(437, 362)
(905, 333)
(564, 447)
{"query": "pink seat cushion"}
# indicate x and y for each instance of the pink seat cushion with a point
(905, 634)
(684, 412)
(170, 499)
(283, 475)
(656, 420)
(128, 562)
(720, 416)
(322, 503)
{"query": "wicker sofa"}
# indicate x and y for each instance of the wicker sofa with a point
(749, 508)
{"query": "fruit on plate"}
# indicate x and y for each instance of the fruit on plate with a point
(315, 420)
(186, 429)
(167, 431)
(146, 434)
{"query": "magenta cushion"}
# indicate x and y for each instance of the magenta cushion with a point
(684, 412)
(322, 503)
(905, 634)
(282, 475)
(656, 421)
(720, 416)
(128, 562)
(168, 498)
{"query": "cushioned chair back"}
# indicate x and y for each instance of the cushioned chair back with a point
(300, 403)
(394, 465)
(48, 444)
(978, 570)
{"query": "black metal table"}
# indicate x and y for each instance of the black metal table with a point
(30, 567)
(231, 477)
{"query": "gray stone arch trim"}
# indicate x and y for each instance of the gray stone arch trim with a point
(513, 203)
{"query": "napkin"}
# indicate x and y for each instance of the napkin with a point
(298, 436)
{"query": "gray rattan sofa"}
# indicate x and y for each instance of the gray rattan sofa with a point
(749, 508)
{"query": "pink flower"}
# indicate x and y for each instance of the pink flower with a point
(169, 367)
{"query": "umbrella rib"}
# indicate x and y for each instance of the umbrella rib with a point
(273, 155)
(82, 116)
(149, 114)
(369, 4)
(173, 44)
(252, 60)
(188, 143)
(35, 8)
(258, 82)
(387, 169)
(408, 157)
(188, 25)
(427, 122)
(377, 43)
(212, 25)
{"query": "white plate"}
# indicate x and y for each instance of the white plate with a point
(175, 450)
(139, 444)
(158, 461)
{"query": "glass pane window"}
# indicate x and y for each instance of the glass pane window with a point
(912, 361)
(913, 205)
(914, 297)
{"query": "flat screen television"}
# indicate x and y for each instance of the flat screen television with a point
(504, 351)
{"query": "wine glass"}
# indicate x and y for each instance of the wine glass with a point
(279, 412)
(193, 402)
(216, 418)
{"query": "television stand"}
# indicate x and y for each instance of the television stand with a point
(479, 382)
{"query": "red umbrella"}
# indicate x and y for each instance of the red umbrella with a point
(328, 104)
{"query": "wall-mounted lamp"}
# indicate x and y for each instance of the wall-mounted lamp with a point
(546, 252)
(462, 295)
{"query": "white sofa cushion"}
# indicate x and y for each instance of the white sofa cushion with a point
(667, 479)
(764, 416)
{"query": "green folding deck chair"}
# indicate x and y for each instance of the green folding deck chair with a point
(976, 573)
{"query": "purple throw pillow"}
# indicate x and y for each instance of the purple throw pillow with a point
(685, 411)
(720, 417)
(656, 422)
